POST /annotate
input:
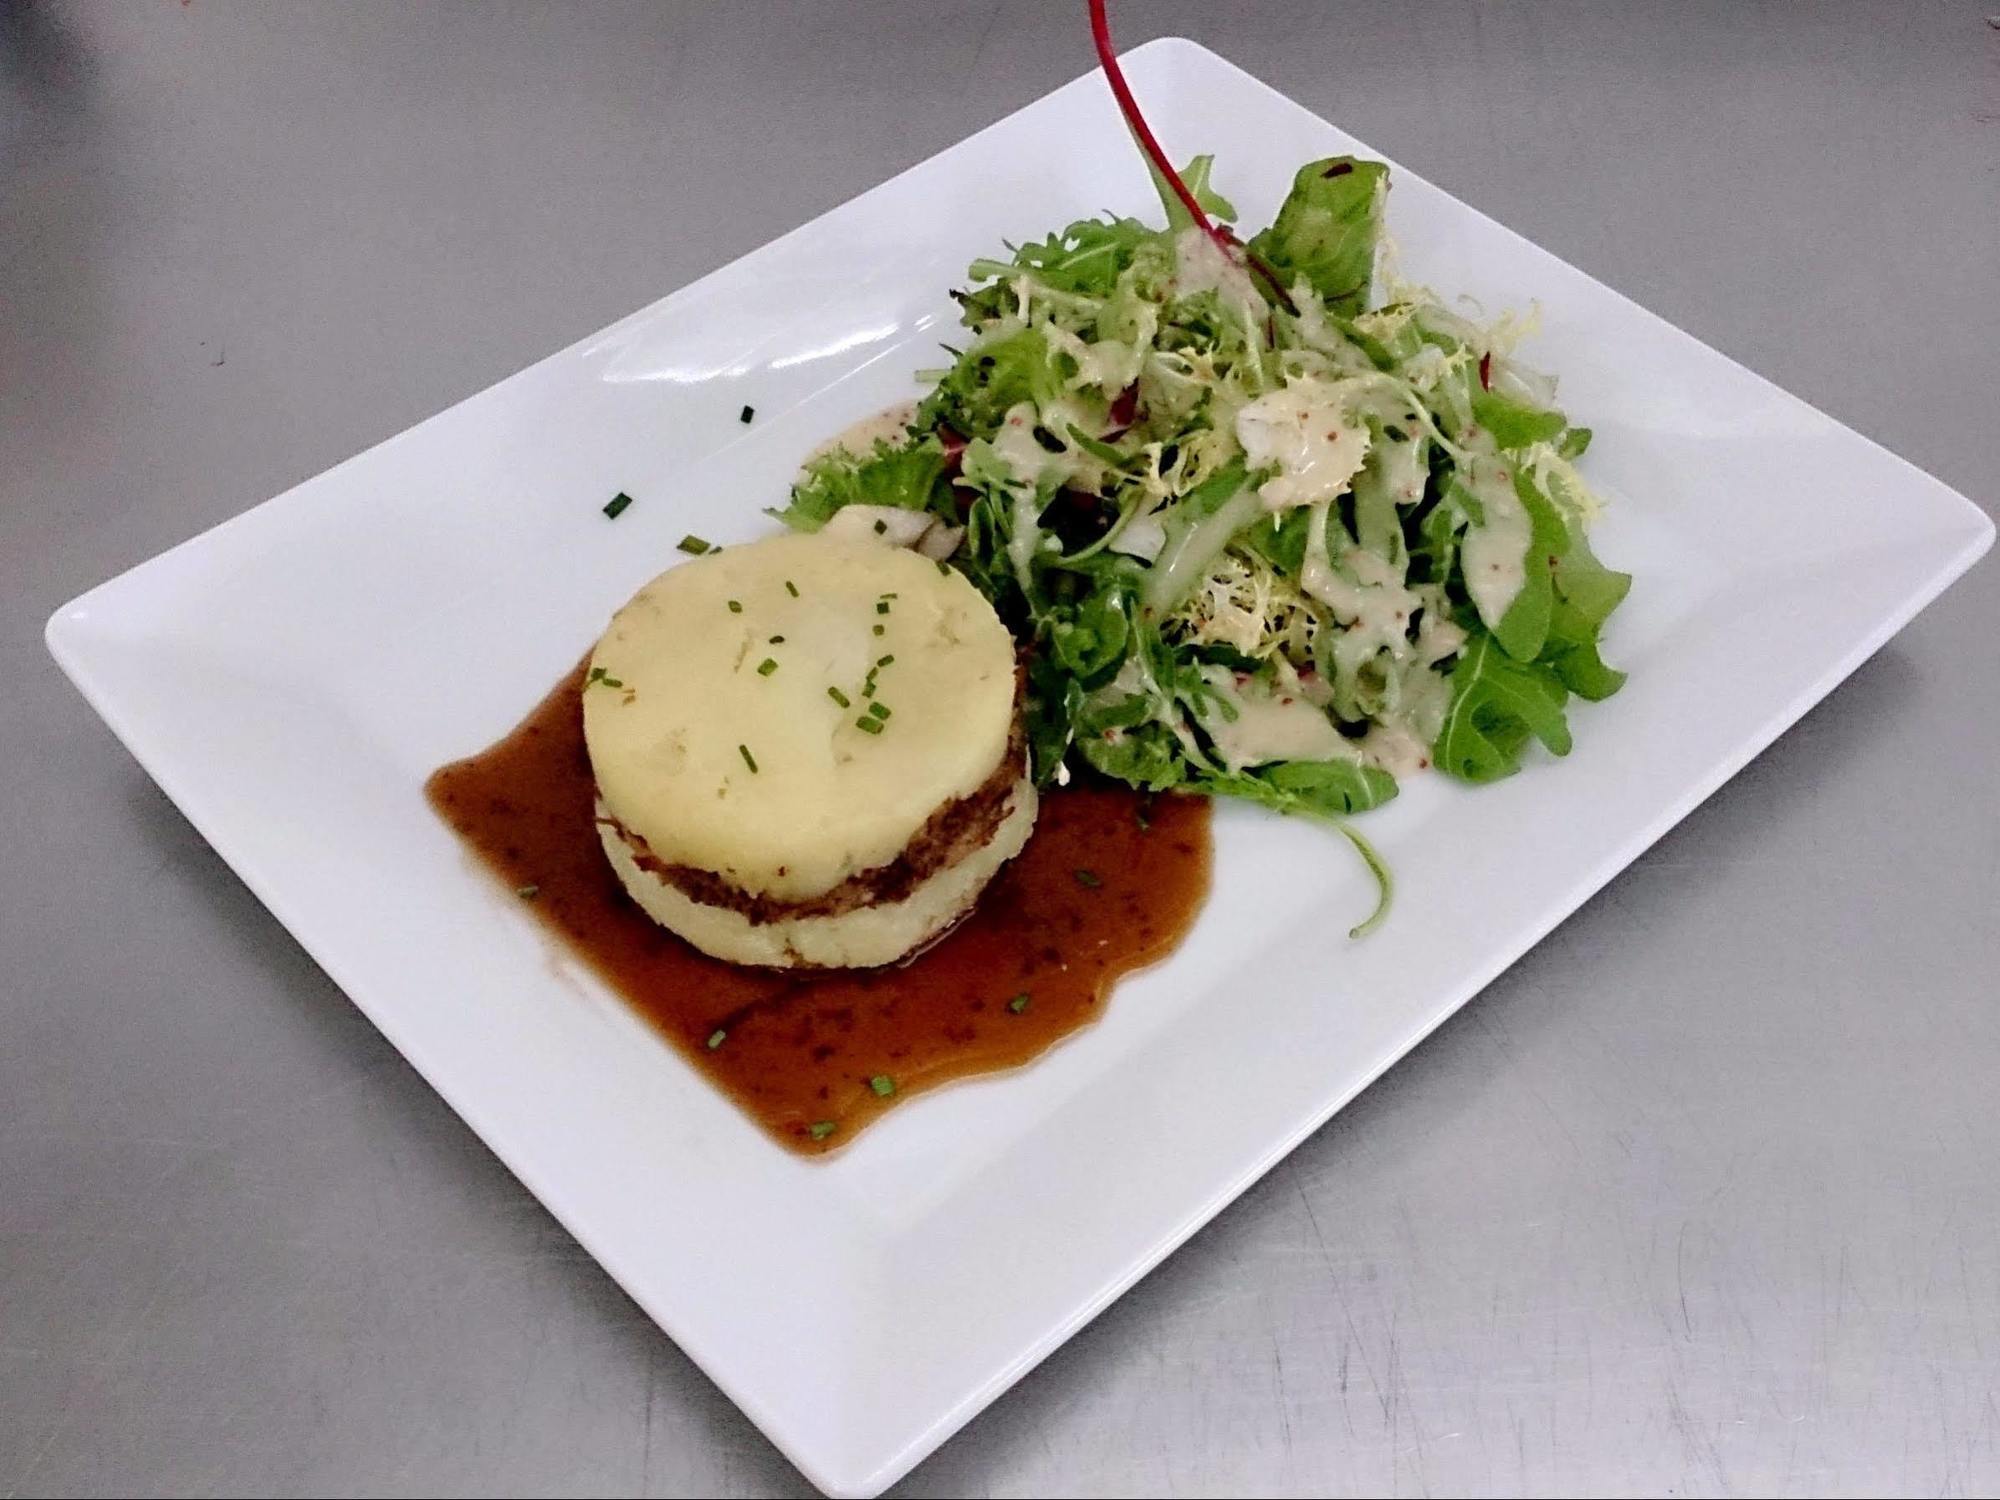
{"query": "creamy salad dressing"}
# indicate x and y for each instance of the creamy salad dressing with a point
(1318, 334)
(1201, 266)
(1366, 594)
(1496, 547)
(1107, 365)
(1030, 463)
(1268, 725)
(1309, 431)
(889, 425)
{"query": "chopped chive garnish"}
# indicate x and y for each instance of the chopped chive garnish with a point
(883, 661)
(880, 527)
(878, 710)
(1394, 434)
(1088, 879)
(694, 546)
(839, 697)
(890, 595)
(878, 630)
(598, 674)
(716, 1037)
(777, 640)
(766, 667)
(944, 568)
(881, 606)
(1019, 1003)
(748, 412)
(615, 506)
(736, 606)
(527, 892)
(883, 1084)
(748, 759)
(819, 1130)
(872, 726)
(791, 588)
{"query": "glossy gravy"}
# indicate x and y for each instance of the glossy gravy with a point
(1109, 882)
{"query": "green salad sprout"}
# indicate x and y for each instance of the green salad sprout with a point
(1282, 536)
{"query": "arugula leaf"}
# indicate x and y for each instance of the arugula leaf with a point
(1572, 654)
(1090, 638)
(1054, 699)
(1098, 449)
(1515, 424)
(1327, 229)
(1084, 260)
(1195, 174)
(1282, 545)
(1320, 788)
(910, 476)
(1586, 592)
(1525, 627)
(1585, 582)
(1497, 703)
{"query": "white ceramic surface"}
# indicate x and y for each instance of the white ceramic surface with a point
(292, 676)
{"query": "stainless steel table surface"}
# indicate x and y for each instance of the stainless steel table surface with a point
(1702, 1197)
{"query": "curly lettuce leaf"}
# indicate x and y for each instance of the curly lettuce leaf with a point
(910, 477)
(990, 377)
(1327, 230)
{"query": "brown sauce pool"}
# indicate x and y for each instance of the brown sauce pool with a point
(1109, 882)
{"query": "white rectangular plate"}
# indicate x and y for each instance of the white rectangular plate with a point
(291, 677)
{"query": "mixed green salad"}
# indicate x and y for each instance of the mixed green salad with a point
(1268, 524)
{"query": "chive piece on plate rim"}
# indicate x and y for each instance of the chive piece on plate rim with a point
(615, 506)
(869, 726)
(693, 545)
(747, 415)
(791, 588)
(748, 759)
(767, 666)
(839, 697)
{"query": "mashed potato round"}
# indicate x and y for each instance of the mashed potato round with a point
(807, 750)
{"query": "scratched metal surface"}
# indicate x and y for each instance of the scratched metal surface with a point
(1700, 1198)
